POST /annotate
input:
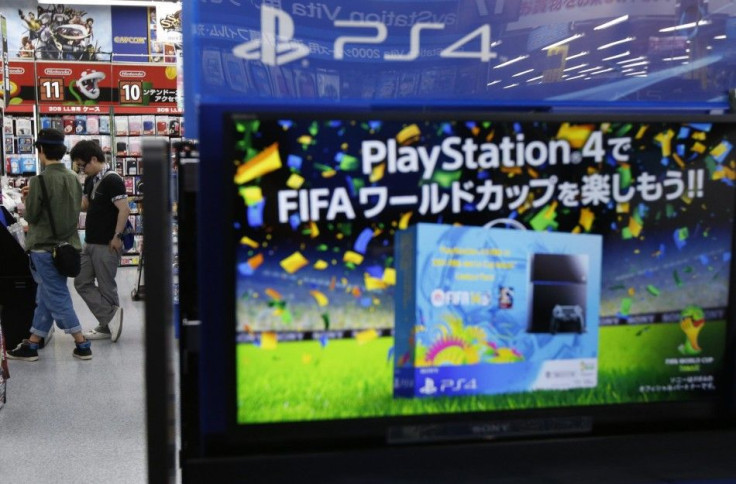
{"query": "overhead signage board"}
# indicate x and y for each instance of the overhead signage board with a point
(480, 53)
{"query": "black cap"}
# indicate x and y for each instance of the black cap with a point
(50, 137)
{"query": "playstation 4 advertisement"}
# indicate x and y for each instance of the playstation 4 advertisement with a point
(488, 311)
(415, 265)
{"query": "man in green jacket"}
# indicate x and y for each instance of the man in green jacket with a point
(53, 301)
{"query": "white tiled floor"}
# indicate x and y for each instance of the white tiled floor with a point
(68, 420)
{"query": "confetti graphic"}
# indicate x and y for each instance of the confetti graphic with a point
(332, 210)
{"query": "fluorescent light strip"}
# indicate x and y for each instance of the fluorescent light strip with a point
(610, 23)
(585, 52)
(511, 85)
(720, 37)
(493, 82)
(563, 41)
(678, 58)
(637, 73)
(534, 79)
(642, 63)
(579, 66)
(685, 26)
(591, 69)
(523, 72)
(624, 54)
(635, 59)
(617, 42)
(601, 72)
(118, 3)
(575, 77)
(508, 62)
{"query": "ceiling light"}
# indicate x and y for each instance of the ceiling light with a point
(579, 66)
(511, 85)
(678, 58)
(685, 26)
(624, 54)
(635, 59)
(719, 37)
(493, 82)
(517, 59)
(575, 77)
(612, 22)
(617, 42)
(538, 78)
(563, 41)
(585, 52)
(601, 72)
(523, 72)
(643, 63)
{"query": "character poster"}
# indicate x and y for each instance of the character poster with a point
(58, 32)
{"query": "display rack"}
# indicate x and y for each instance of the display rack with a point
(19, 152)
(130, 127)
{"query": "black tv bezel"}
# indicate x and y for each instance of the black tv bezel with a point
(362, 433)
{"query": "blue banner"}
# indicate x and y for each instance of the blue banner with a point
(480, 53)
(130, 34)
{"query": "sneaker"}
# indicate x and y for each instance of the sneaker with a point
(116, 324)
(25, 351)
(83, 351)
(98, 333)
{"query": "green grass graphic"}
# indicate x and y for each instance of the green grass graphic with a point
(303, 381)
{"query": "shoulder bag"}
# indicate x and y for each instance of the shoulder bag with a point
(67, 259)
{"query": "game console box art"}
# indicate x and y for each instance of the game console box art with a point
(493, 311)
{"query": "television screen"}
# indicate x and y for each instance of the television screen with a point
(411, 266)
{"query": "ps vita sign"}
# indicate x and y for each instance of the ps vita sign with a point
(277, 45)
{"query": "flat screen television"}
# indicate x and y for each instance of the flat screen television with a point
(413, 277)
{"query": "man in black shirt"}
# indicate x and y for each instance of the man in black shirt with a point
(106, 203)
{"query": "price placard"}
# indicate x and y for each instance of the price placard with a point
(51, 89)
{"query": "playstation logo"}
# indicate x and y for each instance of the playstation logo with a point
(429, 387)
(276, 45)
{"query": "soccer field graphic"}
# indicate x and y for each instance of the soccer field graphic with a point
(346, 379)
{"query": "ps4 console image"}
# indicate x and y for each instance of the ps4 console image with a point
(557, 293)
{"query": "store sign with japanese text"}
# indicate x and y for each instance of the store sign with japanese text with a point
(91, 85)
(22, 86)
(87, 84)
(145, 85)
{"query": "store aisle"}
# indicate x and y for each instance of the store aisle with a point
(68, 420)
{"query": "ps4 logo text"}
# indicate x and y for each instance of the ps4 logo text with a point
(448, 385)
(277, 46)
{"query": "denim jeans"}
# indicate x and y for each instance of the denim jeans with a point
(53, 300)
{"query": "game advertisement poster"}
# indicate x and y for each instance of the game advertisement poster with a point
(320, 206)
